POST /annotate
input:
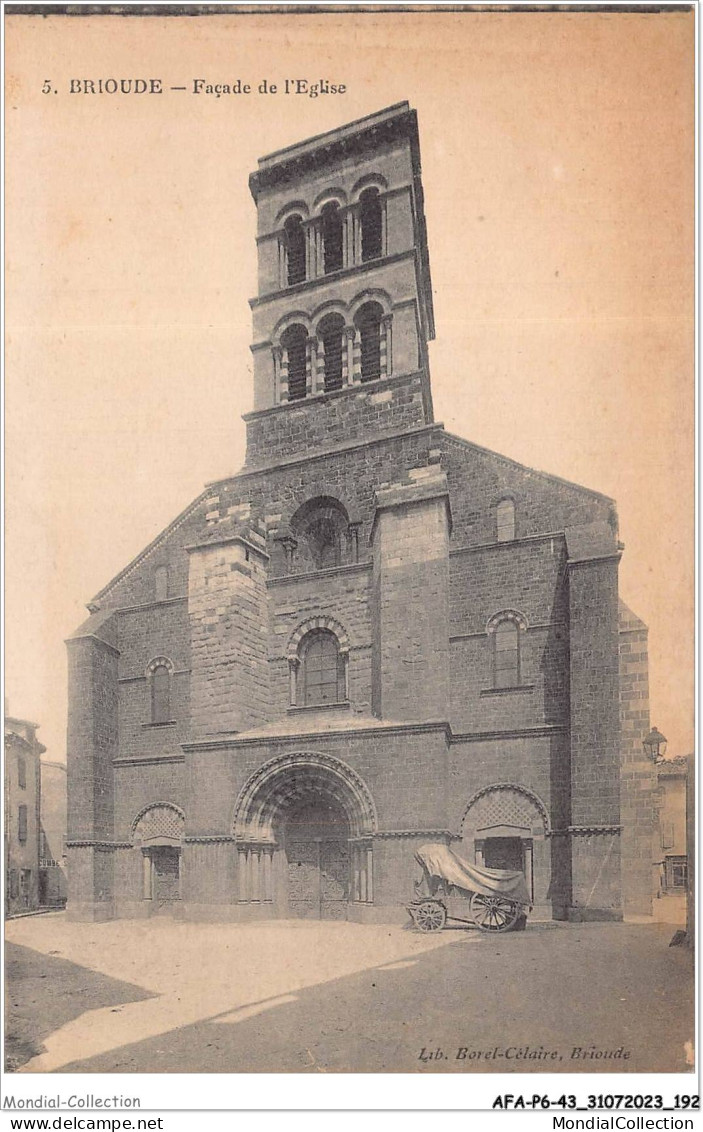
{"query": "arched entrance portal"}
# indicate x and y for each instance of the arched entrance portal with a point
(158, 831)
(303, 825)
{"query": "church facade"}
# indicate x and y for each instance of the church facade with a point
(375, 635)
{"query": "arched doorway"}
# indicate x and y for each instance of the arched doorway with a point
(506, 826)
(303, 825)
(158, 831)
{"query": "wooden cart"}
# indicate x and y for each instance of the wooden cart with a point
(494, 900)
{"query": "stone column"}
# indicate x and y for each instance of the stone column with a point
(310, 251)
(348, 356)
(355, 364)
(349, 226)
(147, 877)
(312, 374)
(283, 376)
(387, 345)
(277, 354)
(282, 263)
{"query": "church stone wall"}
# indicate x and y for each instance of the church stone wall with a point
(300, 427)
(479, 480)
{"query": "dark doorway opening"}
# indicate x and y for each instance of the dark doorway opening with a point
(166, 881)
(317, 860)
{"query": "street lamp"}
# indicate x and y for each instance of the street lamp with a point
(655, 744)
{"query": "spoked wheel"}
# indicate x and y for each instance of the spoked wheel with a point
(494, 913)
(429, 916)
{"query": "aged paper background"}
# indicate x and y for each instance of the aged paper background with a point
(557, 164)
(557, 153)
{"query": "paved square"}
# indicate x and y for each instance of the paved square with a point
(296, 996)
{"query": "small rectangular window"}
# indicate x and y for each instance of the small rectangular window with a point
(161, 583)
(21, 772)
(667, 834)
(22, 824)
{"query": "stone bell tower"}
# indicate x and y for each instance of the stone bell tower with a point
(345, 295)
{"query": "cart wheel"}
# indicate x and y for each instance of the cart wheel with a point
(494, 913)
(429, 916)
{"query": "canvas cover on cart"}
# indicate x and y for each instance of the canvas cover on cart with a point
(438, 861)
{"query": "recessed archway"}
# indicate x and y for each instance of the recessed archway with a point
(303, 826)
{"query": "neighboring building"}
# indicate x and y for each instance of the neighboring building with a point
(52, 869)
(670, 856)
(691, 850)
(376, 634)
(22, 822)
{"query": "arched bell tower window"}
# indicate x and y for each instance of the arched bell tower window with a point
(368, 323)
(294, 239)
(294, 343)
(371, 211)
(322, 669)
(332, 239)
(331, 334)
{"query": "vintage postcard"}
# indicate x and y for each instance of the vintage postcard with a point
(349, 712)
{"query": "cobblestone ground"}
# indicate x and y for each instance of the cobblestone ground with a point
(301, 996)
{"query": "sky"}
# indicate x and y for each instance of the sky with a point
(557, 163)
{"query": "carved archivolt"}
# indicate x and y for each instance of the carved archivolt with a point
(158, 820)
(513, 615)
(505, 803)
(159, 662)
(321, 622)
(284, 781)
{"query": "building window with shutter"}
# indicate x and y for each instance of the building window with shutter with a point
(331, 334)
(294, 244)
(371, 213)
(294, 342)
(368, 323)
(22, 824)
(676, 872)
(332, 238)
